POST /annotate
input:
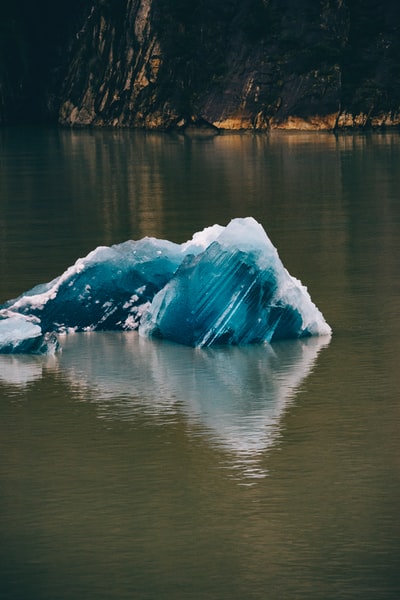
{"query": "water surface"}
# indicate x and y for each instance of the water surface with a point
(135, 468)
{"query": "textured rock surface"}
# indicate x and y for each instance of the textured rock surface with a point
(238, 64)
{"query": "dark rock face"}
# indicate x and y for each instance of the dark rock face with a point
(235, 65)
(224, 64)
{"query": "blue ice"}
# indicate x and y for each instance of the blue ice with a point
(227, 285)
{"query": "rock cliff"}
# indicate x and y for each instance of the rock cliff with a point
(216, 64)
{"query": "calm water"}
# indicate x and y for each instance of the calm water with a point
(133, 468)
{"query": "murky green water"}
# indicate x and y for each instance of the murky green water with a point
(133, 468)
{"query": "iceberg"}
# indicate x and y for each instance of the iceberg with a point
(227, 285)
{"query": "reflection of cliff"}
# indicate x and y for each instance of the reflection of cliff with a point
(238, 395)
(238, 65)
(112, 185)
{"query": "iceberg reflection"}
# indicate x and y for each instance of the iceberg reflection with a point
(21, 369)
(235, 396)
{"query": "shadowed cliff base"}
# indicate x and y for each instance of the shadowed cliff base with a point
(209, 66)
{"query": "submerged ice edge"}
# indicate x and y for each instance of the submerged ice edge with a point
(227, 285)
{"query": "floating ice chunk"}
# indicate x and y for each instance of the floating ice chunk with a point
(227, 285)
(20, 334)
(235, 292)
(105, 290)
